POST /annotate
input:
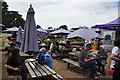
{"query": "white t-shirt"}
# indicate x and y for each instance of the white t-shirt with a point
(51, 46)
(115, 51)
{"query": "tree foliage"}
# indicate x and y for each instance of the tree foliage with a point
(50, 27)
(38, 26)
(107, 37)
(11, 18)
(63, 27)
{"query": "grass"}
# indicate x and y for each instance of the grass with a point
(2, 41)
(2, 44)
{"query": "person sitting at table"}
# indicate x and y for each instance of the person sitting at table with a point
(13, 36)
(102, 61)
(87, 62)
(54, 48)
(13, 64)
(44, 58)
(63, 40)
(18, 45)
(68, 46)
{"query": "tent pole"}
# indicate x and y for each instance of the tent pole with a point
(117, 34)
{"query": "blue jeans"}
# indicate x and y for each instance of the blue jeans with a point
(92, 66)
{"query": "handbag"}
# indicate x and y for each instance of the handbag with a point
(111, 72)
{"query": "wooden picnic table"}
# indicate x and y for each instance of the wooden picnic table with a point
(43, 46)
(74, 56)
(38, 71)
(24, 55)
(65, 50)
(77, 54)
(64, 53)
(74, 53)
(77, 47)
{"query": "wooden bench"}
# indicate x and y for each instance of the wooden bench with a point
(69, 61)
(41, 71)
(57, 77)
(14, 77)
(83, 71)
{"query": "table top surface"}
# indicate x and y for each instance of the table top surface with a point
(66, 49)
(38, 70)
(75, 53)
(23, 54)
(77, 46)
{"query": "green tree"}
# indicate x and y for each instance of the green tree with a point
(63, 27)
(50, 27)
(11, 18)
(4, 11)
(0, 12)
(38, 26)
(107, 37)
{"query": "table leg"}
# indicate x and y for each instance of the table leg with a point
(68, 65)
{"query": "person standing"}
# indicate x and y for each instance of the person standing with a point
(54, 48)
(115, 56)
(68, 46)
(87, 62)
(102, 61)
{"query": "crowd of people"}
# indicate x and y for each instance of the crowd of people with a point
(85, 60)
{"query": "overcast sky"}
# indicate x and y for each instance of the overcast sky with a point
(73, 13)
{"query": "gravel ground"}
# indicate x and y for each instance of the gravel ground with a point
(75, 72)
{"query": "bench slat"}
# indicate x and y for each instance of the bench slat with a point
(59, 76)
(30, 70)
(52, 71)
(44, 69)
(36, 70)
(14, 76)
(41, 70)
(71, 62)
(56, 77)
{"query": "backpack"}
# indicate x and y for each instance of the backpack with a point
(41, 59)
